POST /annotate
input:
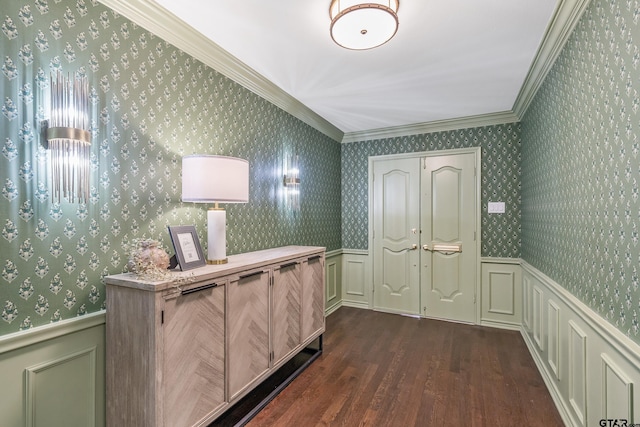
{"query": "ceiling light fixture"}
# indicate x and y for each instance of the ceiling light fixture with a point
(359, 26)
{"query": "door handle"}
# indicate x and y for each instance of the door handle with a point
(413, 247)
(444, 248)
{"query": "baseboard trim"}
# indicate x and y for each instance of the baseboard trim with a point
(500, 325)
(355, 304)
(330, 310)
(548, 381)
(38, 334)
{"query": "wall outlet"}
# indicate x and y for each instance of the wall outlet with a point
(495, 207)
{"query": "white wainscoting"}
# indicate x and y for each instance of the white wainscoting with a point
(54, 375)
(333, 282)
(501, 294)
(356, 280)
(589, 366)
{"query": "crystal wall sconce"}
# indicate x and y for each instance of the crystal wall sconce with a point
(69, 138)
(291, 182)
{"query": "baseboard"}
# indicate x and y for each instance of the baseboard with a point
(548, 381)
(330, 310)
(355, 304)
(500, 325)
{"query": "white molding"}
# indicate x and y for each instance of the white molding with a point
(548, 380)
(564, 20)
(500, 325)
(431, 127)
(609, 365)
(363, 252)
(606, 330)
(331, 254)
(593, 365)
(355, 304)
(159, 21)
(499, 260)
(21, 339)
(553, 337)
(577, 372)
(31, 392)
(330, 310)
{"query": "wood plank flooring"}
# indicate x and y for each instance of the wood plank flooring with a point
(381, 369)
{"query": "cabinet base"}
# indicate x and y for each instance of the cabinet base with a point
(248, 407)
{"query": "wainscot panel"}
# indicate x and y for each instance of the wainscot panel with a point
(54, 375)
(501, 293)
(333, 274)
(356, 280)
(589, 366)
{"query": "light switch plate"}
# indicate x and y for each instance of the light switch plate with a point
(495, 207)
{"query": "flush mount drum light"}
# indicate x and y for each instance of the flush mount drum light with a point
(360, 26)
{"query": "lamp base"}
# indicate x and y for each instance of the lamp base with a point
(217, 261)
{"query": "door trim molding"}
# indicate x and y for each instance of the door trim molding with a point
(477, 151)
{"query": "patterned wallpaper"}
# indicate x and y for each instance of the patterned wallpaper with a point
(151, 104)
(500, 146)
(581, 166)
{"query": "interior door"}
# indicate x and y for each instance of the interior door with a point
(396, 235)
(448, 223)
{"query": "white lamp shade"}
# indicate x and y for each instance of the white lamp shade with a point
(210, 179)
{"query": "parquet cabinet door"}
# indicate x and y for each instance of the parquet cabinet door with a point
(247, 329)
(312, 296)
(285, 314)
(193, 363)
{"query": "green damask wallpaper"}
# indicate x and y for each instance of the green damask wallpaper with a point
(581, 166)
(151, 104)
(500, 182)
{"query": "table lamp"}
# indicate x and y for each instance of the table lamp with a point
(215, 179)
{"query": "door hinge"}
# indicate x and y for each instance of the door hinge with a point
(474, 236)
(162, 317)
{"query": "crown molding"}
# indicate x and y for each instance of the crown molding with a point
(434, 126)
(564, 20)
(170, 28)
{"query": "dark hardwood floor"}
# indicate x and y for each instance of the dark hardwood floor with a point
(381, 369)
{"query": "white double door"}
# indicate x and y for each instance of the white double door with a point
(424, 215)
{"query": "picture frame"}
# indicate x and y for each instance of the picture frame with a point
(187, 247)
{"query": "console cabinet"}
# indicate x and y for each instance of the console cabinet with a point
(182, 351)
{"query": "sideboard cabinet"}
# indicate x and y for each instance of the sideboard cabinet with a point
(182, 351)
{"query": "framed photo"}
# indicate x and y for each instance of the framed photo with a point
(187, 246)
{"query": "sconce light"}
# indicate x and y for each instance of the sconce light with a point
(69, 138)
(214, 179)
(291, 182)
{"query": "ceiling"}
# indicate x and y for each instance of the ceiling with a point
(450, 59)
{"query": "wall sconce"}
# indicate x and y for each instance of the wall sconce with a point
(291, 182)
(69, 138)
(214, 179)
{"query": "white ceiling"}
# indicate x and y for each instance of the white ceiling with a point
(450, 58)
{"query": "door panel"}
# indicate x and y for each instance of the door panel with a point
(449, 255)
(395, 232)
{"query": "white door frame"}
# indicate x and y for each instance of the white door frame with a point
(478, 155)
